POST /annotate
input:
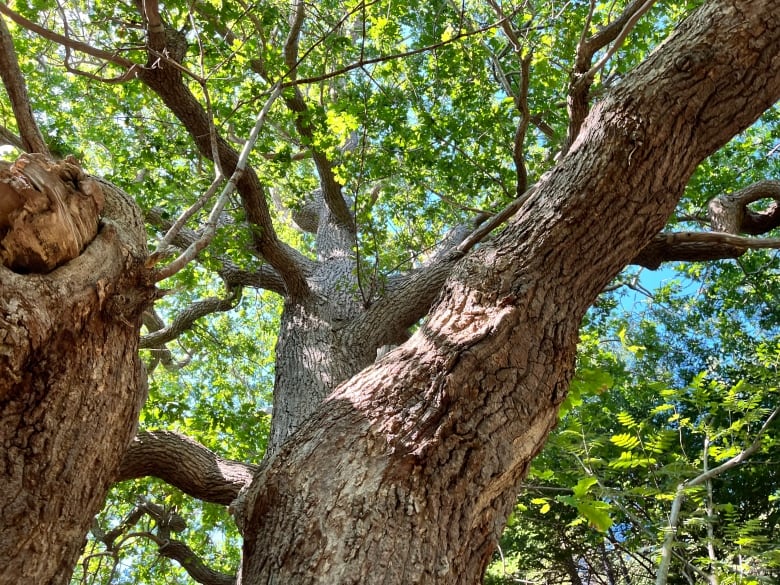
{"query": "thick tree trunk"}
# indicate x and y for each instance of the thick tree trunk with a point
(71, 389)
(407, 472)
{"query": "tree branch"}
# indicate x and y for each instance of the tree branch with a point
(11, 139)
(331, 189)
(698, 247)
(408, 297)
(192, 563)
(12, 77)
(186, 465)
(210, 229)
(671, 530)
(66, 41)
(582, 75)
(265, 277)
(186, 318)
(167, 520)
(168, 85)
(293, 37)
(730, 213)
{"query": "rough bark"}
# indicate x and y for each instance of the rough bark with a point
(71, 389)
(180, 461)
(408, 470)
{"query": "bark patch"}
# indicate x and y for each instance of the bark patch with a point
(49, 212)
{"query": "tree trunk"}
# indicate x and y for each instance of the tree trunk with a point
(407, 472)
(71, 389)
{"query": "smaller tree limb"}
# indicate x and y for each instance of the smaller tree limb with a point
(186, 465)
(631, 21)
(168, 85)
(698, 247)
(674, 516)
(150, 12)
(493, 222)
(13, 80)
(167, 520)
(293, 37)
(66, 41)
(264, 277)
(186, 318)
(577, 100)
(174, 229)
(211, 226)
(331, 189)
(730, 212)
(362, 63)
(11, 139)
(192, 563)
(153, 322)
(408, 297)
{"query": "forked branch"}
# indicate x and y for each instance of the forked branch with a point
(584, 70)
(166, 520)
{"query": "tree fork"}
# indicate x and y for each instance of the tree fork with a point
(409, 469)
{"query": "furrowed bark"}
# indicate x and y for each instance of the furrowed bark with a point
(408, 471)
(71, 389)
(186, 464)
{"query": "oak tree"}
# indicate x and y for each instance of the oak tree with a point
(437, 192)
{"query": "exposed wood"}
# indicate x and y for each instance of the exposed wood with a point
(49, 212)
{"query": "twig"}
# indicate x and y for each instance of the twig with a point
(674, 516)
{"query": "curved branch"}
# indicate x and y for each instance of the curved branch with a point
(186, 318)
(698, 247)
(167, 521)
(186, 465)
(11, 139)
(730, 213)
(66, 41)
(192, 563)
(32, 139)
